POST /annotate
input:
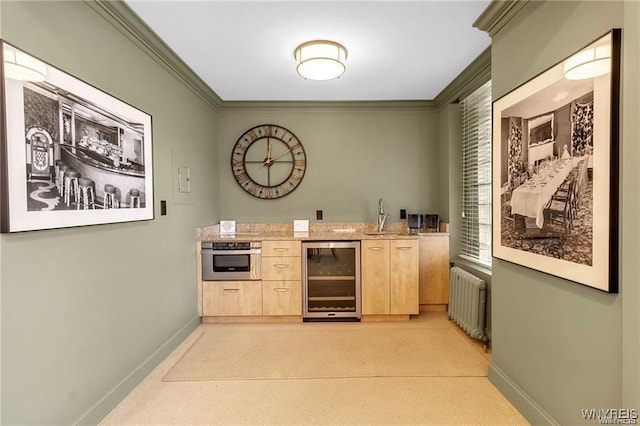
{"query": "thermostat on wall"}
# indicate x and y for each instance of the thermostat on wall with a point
(227, 227)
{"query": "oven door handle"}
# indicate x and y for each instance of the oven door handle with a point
(231, 252)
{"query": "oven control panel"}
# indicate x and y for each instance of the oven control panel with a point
(232, 245)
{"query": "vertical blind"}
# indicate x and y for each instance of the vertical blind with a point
(475, 228)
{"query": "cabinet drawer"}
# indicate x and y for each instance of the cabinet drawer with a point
(281, 298)
(410, 246)
(281, 248)
(231, 298)
(281, 268)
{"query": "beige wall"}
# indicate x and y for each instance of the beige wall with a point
(559, 347)
(630, 206)
(87, 311)
(355, 155)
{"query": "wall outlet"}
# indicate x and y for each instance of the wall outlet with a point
(403, 213)
(319, 214)
(163, 207)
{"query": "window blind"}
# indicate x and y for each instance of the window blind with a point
(475, 226)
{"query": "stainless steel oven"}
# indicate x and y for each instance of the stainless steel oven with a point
(233, 260)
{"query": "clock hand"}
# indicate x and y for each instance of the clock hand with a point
(267, 161)
(283, 154)
(268, 149)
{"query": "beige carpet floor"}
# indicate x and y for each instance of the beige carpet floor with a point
(313, 350)
(425, 371)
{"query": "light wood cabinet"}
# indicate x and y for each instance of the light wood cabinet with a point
(281, 298)
(281, 278)
(434, 271)
(375, 264)
(231, 298)
(281, 248)
(404, 277)
(398, 278)
(281, 268)
(390, 277)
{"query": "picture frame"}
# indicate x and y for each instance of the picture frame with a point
(555, 198)
(70, 153)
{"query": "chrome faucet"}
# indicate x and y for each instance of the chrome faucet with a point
(381, 216)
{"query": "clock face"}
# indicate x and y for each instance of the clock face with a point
(268, 161)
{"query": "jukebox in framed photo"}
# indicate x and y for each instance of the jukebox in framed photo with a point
(70, 154)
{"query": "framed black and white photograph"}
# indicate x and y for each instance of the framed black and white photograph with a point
(71, 154)
(555, 168)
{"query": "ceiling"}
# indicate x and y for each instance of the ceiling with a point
(397, 50)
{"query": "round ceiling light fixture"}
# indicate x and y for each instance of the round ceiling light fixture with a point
(320, 59)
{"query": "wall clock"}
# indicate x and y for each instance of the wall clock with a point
(268, 161)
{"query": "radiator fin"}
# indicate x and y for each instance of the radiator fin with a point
(467, 302)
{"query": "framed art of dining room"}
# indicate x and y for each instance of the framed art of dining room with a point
(71, 154)
(555, 168)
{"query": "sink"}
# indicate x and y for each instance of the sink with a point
(380, 233)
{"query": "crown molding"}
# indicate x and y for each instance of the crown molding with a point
(324, 106)
(475, 75)
(125, 20)
(497, 14)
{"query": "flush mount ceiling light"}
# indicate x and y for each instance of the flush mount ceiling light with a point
(588, 63)
(320, 59)
(21, 66)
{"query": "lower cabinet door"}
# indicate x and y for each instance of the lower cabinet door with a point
(281, 298)
(375, 277)
(404, 277)
(231, 298)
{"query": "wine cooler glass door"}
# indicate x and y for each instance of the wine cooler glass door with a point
(331, 280)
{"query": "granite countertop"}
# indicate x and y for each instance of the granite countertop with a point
(342, 231)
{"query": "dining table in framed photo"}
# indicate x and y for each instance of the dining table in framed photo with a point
(70, 154)
(556, 168)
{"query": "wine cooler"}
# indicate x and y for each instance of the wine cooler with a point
(331, 280)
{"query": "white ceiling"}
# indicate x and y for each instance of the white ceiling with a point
(397, 50)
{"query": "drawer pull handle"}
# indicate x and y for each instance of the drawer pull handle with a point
(231, 289)
(375, 248)
(281, 248)
(404, 248)
(281, 290)
(280, 265)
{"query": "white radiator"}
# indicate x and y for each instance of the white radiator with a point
(467, 302)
